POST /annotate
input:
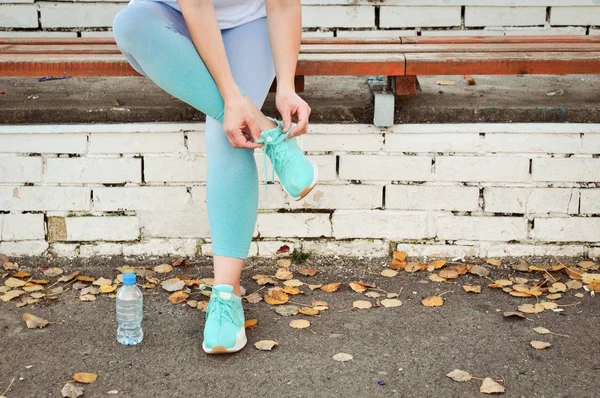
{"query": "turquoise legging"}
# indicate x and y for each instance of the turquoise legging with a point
(156, 41)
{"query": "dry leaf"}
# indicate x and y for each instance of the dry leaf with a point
(445, 83)
(436, 278)
(372, 294)
(21, 274)
(171, 285)
(33, 321)
(508, 314)
(85, 278)
(9, 266)
(358, 287)
(12, 294)
(433, 301)
(574, 285)
(33, 288)
(84, 377)
(308, 311)
(389, 273)
(68, 278)
(287, 310)
(362, 304)
(472, 289)
(331, 287)
(163, 268)
(503, 282)
(489, 386)
(284, 262)
(574, 273)
(14, 282)
(531, 308)
(291, 290)
(579, 295)
(40, 281)
(70, 390)
(342, 357)
(391, 303)
(276, 297)
(313, 287)
(589, 278)
(522, 266)
(299, 323)
(181, 262)
(307, 271)
(51, 272)
(38, 295)
(494, 262)
(264, 279)
(479, 270)
(438, 264)
(250, 323)
(253, 298)
(448, 274)
(459, 375)
(595, 286)
(107, 288)
(557, 287)
(265, 345)
(548, 306)
(178, 297)
(87, 297)
(293, 283)
(202, 306)
(283, 274)
(539, 345)
(412, 267)
(192, 303)
(102, 282)
(399, 256)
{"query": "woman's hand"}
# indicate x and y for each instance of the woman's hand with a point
(238, 119)
(290, 104)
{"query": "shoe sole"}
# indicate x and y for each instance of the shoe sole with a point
(219, 349)
(307, 190)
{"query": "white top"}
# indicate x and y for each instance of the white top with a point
(230, 13)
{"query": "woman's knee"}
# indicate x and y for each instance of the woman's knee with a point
(131, 23)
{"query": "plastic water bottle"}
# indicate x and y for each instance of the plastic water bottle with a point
(130, 312)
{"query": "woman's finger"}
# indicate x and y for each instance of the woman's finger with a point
(303, 113)
(286, 118)
(253, 128)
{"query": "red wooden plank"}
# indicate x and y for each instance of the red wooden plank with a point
(499, 39)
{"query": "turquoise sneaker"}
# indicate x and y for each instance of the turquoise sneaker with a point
(298, 174)
(224, 331)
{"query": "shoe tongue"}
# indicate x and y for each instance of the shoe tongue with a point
(224, 291)
(270, 135)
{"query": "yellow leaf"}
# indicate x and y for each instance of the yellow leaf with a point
(40, 281)
(504, 282)
(589, 278)
(21, 274)
(358, 287)
(557, 287)
(362, 304)
(83, 377)
(264, 279)
(574, 285)
(178, 297)
(33, 288)
(308, 272)
(539, 345)
(291, 290)
(412, 267)
(342, 357)
(284, 262)
(399, 256)
(107, 288)
(250, 323)
(448, 274)
(531, 308)
(276, 297)
(51, 272)
(436, 278)
(459, 375)
(313, 287)
(265, 345)
(299, 323)
(11, 295)
(102, 282)
(202, 306)
(587, 264)
(391, 303)
(595, 286)
(489, 386)
(519, 294)
(433, 301)
(553, 296)
(14, 282)
(163, 268)
(85, 278)
(283, 274)
(293, 283)
(389, 273)
(308, 311)
(33, 321)
(438, 264)
(331, 287)
(494, 262)
(472, 289)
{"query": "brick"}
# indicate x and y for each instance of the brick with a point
(575, 16)
(518, 250)
(171, 169)
(462, 32)
(336, 16)
(191, 223)
(269, 248)
(438, 251)
(531, 200)
(80, 15)
(533, 31)
(20, 169)
(500, 16)
(69, 250)
(383, 108)
(108, 228)
(272, 198)
(93, 170)
(274, 225)
(142, 198)
(444, 142)
(34, 33)
(23, 227)
(385, 168)
(591, 143)
(16, 198)
(163, 247)
(388, 224)
(414, 16)
(427, 197)
(566, 169)
(355, 248)
(481, 228)
(534, 143)
(196, 142)
(343, 142)
(342, 197)
(590, 201)
(18, 16)
(573, 229)
(137, 143)
(24, 248)
(43, 143)
(101, 249)
(103, 33)
(317, 34)
(480, 169)
(394, 34)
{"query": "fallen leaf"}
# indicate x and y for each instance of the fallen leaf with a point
(293, 283)
(7, 265)
(52, 272)
(399, 256)
(90, 290)
(264, 279)
(181, 262)
(470, 80)
(595, 286)
(87, 297)
(539, 345)
(313, 287)
(574, 285)
(531, 308)
(392, 295)
(171, 285)
(412, 267)
(433, 301)
(372, 294)
(494, 262)
(331, 287)
(308, 311)
(319, 305)
(342, 357)
(587, 264)
(557, 287)
(445, 83)
(70, 390)
(192, 303)
(283, 274)
(391, 303)
(287, 310)
(178, 297)
(436, 278)
(358, 287)
(504, 282)
(12, 294)
(522, 266)
(291, 290)
(299, 323)
(307, 271)
(362, 304)
(265, 345)
(574, 273)
(163, 268)
(489, 386)
(202, 306)
(84, 377)
(107, 288)
(284, 262)
(38, 295)
(33, 288)
(389, 273)
(85, 278)
(472, 289)
(33, 321)
(589, 278)
(448, 274)
(553, 296)
(509, 314)
(253, 298)
(40, 281)
(21, 274)
(276, 297)
(250, 323)
(69, 277)
(438, 264)
(102, 282)
(479, 270)
(459, 375)
(14, 282)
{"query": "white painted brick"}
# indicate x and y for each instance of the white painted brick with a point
(1, 225)
(566, 169)
(44, 198)
(192, 223)
(269, 248)
(481, 228)
(196, 142)
(334, 16)
(410, 16)
(171, 169)
(575, 16)
(385, 168)
(519, 250)
(462, 32)
(446, 142)
(376, 33)
(342, 197)
(141, 198)
(272, 198)
(591, 143)
(500, 16)
(93, 170)
(536, 143)
(533, 31)
(317, 34)
(33, 33)
(594, 252)
(23, 227)
(20, 169)
(69, 250)
(274, 225)
(137, 143)
(435, 251)
(101, 249)
(531, 200)
(356, 248)
(343, 142)
(103, 33)
(492, 169)
(387, 224)
(428, 197)
(18, 16)
(573, 229)
(24, 248)
(115, 228)
(43, 143)
(199, 196)
(78, 15)
(326, 165)
(590, 201)
(163, 247)
(594, 31)
(206, 249)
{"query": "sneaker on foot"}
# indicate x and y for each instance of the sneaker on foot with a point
(224, 330)
(298, 174)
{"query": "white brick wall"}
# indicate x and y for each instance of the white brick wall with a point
(171, 169)
(93, 170)
(493, 169)
(575, 16)
(431, 197)
(191, 223)
(382, 167)
(501, 16)
(111, 228)
(136, 143)
(334, 16)
(482, 228)
(21, 198)
(531, 200)
(18, 16)
(566, 169)
(20, 169)
(141, 198)
(274, 225)
(400, 17)
(574, 229)
(390, 224)
(23, 227)
(590, 201)
(51, 143)
(80, 15)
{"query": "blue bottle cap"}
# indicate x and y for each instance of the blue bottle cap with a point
(129, 279)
